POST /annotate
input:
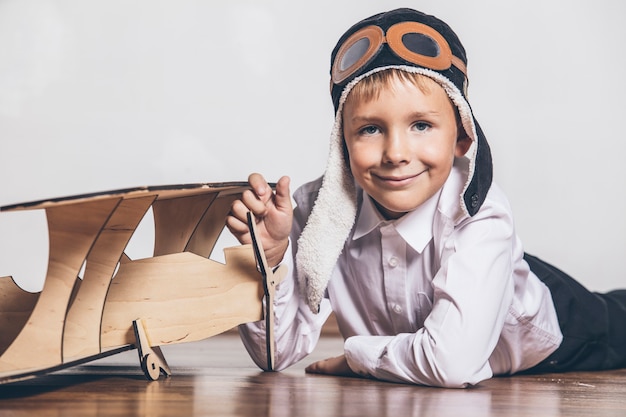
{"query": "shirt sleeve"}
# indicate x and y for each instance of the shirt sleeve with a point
(472, 291)
(296, 328)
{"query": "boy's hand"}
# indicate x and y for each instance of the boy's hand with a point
(273, 213)
(332, 366)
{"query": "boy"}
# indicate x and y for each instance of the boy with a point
(408, 241)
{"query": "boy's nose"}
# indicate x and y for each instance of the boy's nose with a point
(396, 149)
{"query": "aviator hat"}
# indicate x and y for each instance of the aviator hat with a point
(407, 40)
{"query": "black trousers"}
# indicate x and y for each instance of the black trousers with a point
(593, 324)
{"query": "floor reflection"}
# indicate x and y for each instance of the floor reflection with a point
(272, 394)
(217, 380)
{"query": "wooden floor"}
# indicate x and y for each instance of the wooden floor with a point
(215, 377)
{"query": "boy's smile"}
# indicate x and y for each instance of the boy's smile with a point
(402, 143)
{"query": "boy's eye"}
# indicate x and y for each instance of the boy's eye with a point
(421, 126)
(369, 130)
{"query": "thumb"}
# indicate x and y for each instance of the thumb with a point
(283, 194)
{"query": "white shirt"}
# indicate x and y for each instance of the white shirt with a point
(435, 298)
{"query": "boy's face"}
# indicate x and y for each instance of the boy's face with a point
(402, 144)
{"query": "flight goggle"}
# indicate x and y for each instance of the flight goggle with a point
(411, 41)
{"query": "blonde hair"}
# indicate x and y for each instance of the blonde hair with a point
(370, 87)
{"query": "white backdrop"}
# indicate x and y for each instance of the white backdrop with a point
(112, 94)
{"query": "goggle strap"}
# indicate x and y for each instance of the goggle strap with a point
(458, 62)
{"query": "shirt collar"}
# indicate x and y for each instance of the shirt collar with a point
(415, 227)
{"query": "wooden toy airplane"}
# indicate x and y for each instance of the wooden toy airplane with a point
(178, 295)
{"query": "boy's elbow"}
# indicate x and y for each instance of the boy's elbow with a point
(455, 378)
(456, 371)
(468, 377)
(459, 380)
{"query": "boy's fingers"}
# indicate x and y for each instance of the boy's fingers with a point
(238, 229)
(253, 203)
(239, 211)
(237, 220)
(283, 195)
(319, 367)
(331, 366)
(260, 187)
(312, 368)
(236, 226)
(257, 198)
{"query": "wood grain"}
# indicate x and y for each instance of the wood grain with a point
(16, 305)
(215, 377)
(81, 335)
(204, 237)
(182, 297)
(176, 219)
(72, 231)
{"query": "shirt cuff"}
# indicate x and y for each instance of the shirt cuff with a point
(363, 353)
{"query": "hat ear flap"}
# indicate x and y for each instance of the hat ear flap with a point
(478, 187)
(328, 224)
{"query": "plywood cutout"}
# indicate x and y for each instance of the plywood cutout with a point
(178, 295)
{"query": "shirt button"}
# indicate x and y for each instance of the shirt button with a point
(393, 262)
(474, 200)
(397, 308)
